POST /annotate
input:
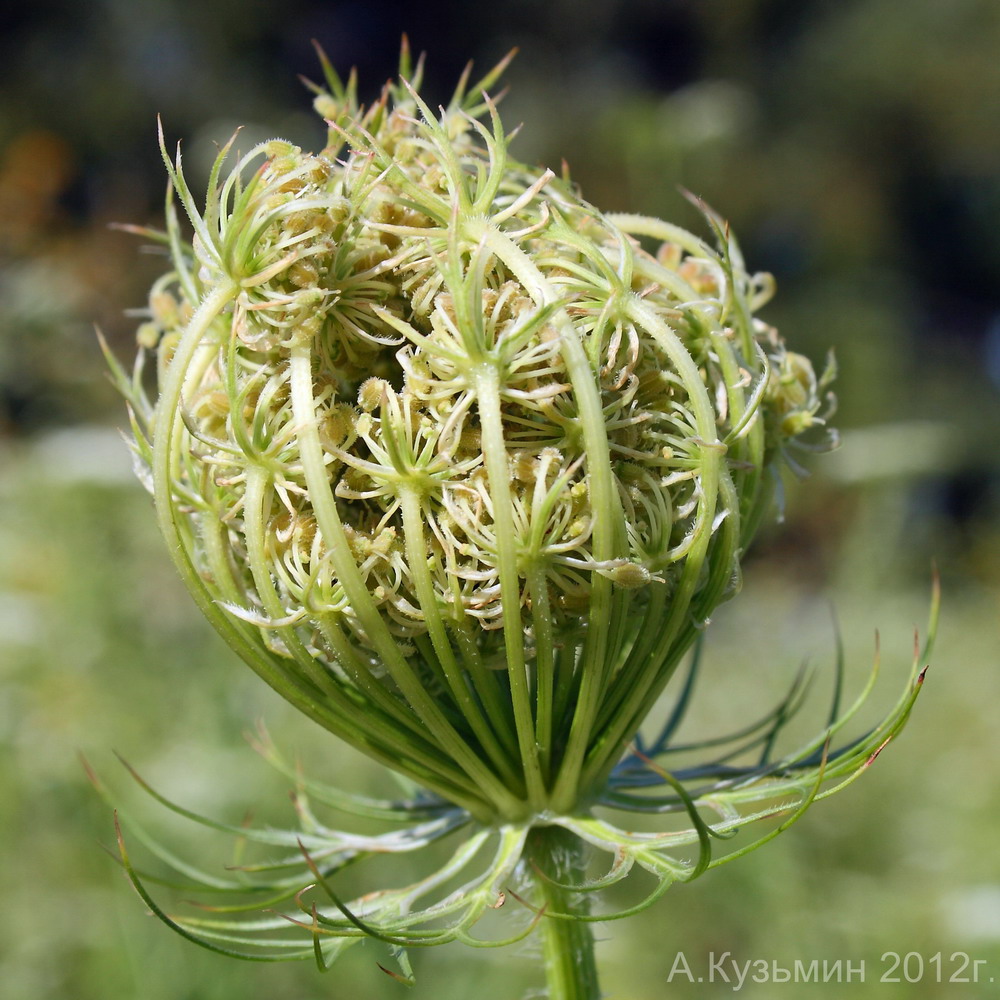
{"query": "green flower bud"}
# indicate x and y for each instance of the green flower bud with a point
(461, 466)
(568, 422)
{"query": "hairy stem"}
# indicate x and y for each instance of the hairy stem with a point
(568, 944)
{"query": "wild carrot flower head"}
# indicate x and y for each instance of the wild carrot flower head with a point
(458, 462)
(461, 466)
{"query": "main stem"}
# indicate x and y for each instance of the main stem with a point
(568, 945)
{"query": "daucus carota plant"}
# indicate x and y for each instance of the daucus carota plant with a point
(461, 466)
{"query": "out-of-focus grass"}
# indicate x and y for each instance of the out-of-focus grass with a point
(101, 650)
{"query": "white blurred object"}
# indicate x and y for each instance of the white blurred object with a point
(974, 913)
(84, 454)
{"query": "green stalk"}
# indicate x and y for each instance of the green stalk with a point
(320, 488)
(416, 550)
(167, 419)
(606, 607)
(495, 458)
(567, 944)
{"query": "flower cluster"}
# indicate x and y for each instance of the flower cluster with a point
(446, 441)
(461, 466)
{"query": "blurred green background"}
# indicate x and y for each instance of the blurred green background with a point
(855, 147)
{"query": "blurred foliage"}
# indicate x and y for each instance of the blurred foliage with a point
(855, 145)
